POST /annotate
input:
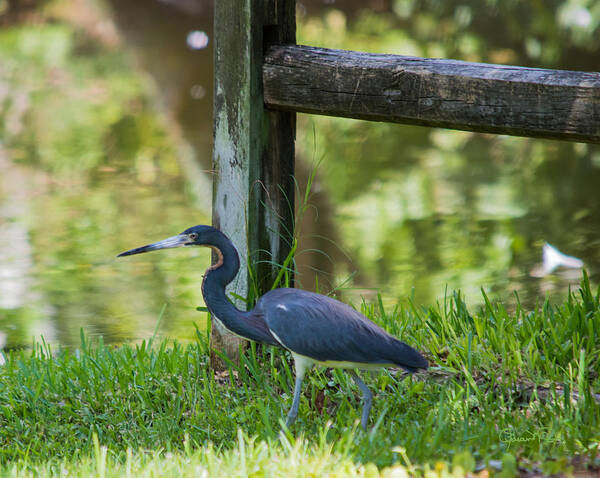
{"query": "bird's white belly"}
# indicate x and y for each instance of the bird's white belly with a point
(345, 364)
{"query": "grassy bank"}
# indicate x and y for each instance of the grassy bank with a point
(506, 391)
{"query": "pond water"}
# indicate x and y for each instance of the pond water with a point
(105, 145)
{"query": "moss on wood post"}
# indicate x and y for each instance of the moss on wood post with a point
(253, 155)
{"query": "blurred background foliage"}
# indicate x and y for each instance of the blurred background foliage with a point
(105, 137)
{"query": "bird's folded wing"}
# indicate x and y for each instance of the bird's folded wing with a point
(324, 329)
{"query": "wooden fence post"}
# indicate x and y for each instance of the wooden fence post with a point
(253, 155)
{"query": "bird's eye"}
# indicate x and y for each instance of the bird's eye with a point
(193, 236)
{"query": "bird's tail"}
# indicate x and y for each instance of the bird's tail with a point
(406, 357)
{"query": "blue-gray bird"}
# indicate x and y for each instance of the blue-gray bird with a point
(316, 329)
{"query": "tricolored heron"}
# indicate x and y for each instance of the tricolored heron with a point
(315, 328)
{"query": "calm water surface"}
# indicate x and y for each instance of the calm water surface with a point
(106, 146)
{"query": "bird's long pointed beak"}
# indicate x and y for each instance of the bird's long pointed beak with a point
(176, 241)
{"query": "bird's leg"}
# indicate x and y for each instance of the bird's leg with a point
(293, 413)
(301, 364)
(367, 397)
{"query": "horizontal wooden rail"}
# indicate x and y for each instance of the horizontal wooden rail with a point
(444, 93)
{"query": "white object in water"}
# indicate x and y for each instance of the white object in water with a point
(197, 40)
(553, 258)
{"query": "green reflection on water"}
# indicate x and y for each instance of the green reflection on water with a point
(97, 170)
(425, 209)
(89, 169)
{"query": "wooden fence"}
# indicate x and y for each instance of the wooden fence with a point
(262, 78)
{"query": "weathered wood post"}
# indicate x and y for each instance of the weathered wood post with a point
(253, 155)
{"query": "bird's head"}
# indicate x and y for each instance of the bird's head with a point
(194, 236)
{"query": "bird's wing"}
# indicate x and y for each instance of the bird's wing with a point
(325, 329)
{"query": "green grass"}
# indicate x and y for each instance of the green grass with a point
(504, 390)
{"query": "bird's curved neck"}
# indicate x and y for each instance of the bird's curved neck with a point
(245, 324)
(216, 278)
